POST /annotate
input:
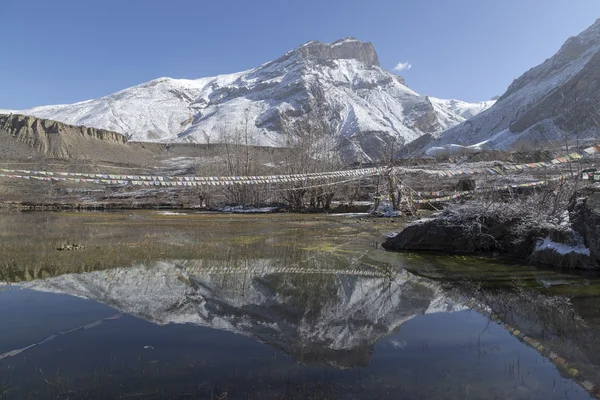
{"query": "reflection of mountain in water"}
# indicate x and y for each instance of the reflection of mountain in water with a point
(320, 318)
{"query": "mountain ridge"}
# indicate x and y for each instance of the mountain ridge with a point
(542, 105)
(366, 109)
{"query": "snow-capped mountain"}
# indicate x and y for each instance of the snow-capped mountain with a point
(366, 107)
(332, 319)
(461, 108)
(556, 98)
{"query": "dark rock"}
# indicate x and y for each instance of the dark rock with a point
(73, 246)
(466, 184)
(551, 255)
(584, 213)
(537, 243)
(485, 236)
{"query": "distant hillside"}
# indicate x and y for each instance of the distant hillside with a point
(25, 137)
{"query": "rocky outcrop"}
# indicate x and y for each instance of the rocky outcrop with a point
(469, 231)
(584, 210)
(51, 137)
(27, 137)
(28, 127)
(343, 49)
(484, 236)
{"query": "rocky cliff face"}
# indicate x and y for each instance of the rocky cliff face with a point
(26, 136)
(359, 108)
(555, 99)
(343, 49)
(41, 133)
(584, 210)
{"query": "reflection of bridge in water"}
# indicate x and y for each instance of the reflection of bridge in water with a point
(267, 270)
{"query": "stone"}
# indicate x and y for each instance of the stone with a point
(472, 230)
(589, 386)
(466, 184)
(73, 246)
(435, 234)
(560, 361)
(584, 213)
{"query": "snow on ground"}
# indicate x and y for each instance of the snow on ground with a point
(248, 210)
(349, 215)
(170, 213)
(561, 248)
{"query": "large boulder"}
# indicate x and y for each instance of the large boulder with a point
(473, 235)
(562, 252)
(473, 229)
(584, 212)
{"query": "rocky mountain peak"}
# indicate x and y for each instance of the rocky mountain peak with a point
(343, 49)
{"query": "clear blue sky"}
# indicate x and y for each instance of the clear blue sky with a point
(62, 51)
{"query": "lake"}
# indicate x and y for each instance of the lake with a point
(169, 305)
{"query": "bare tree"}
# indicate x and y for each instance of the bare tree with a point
(314, 150)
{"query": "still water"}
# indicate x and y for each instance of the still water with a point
(155, 305)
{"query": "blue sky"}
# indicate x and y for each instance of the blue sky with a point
(63, 51)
